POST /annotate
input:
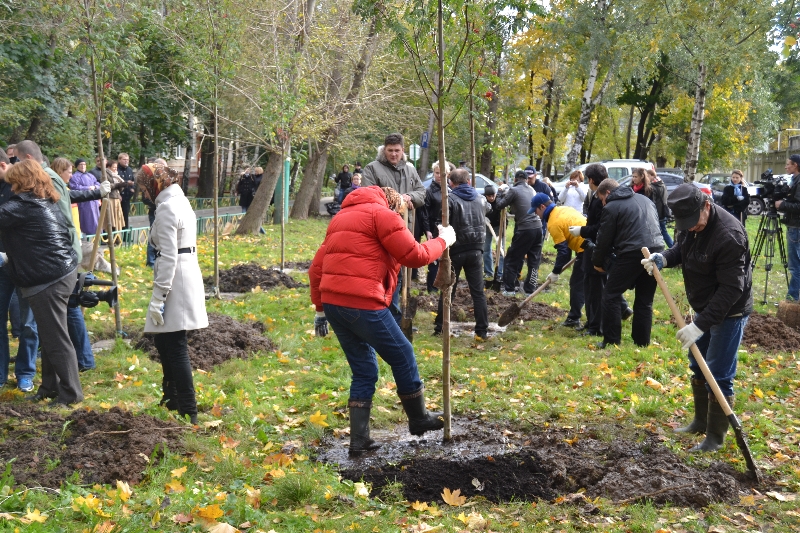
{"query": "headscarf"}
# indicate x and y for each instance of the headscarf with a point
(154, 178)
(394, 199)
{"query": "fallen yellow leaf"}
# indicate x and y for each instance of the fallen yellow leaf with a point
(174, 486)
(453, 498)
(417, 506)
(104, 527)
(318, 419)
(124, 490)
(36, 516)
(178, 472)
(212, 512)
(222, 527)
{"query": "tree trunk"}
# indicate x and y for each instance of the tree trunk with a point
(205, 182)
(252, 220)
(647, 112)
(628, 135)
(588, 103)
(693, 148)
(551, 149)
(548, 106)
(312, 180)
(487, 153)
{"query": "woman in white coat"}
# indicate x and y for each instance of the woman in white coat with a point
(178, 302)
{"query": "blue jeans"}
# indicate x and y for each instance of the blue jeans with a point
(720, 347)
(361, 333)
(13, 315)
(394, 307)
(25, 366)
(662, 223)
(79, 336)
(151, 251)
(488, 259)
(793, 250)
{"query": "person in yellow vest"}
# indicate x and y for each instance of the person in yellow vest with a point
(560, 220)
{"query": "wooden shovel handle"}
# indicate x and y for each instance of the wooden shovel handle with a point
(99, 232)
(701, 362)
(547, 282)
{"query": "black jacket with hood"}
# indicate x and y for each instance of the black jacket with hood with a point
(467, 213)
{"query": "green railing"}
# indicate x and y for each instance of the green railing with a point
(140, 209)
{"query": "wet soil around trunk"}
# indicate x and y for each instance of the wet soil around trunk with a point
(102, 447)
(769, 334)
(462, 309)
(248, 276)
(225, 338)
(491, 461)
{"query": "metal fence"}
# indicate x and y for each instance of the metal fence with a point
(140, 209)
(140, 236)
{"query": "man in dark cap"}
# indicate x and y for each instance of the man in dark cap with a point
(712, 247)
(527, 239)
(790, 206)
(629, 222)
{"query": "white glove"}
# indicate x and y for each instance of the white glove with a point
(503, 187)
(3, 259)
(156, 311)
(654, 259)
(448, 234)
(575, 231)
(688, 335)
(552, 277)
(740, 198)
(105, 188)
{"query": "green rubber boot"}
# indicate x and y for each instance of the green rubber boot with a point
(420, 419)
(716, 426)
(360, 440)
(698, 425)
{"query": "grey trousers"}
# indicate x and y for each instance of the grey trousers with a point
(60, 378)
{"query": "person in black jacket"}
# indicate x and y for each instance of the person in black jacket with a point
(490, 192)
(467, 212)
(735, 197)
(246, 189)
(430, 215)
(594, 281)
(43, 264)
(344, 179)
(629, 223)
(790, 207)
(713, 250)
(125, 172)
(527, 239)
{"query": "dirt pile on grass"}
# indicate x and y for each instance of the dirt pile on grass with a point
(492, 462)
(769, 334)
(102, 447)
(248, 276)
(295, 265)
(462, 308)
(223, 339)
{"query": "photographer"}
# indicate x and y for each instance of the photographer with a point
(790, 207)
(573, 195)
(42, 263)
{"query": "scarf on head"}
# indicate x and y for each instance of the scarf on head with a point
(394, 200)
(154, 178)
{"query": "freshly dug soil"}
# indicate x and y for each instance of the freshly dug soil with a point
(769, 334)
(248, 276)
(482, 461)
(223, 339)
(102, 447)
(295, 265)
(462, 309)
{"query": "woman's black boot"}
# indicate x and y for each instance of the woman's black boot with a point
(419, 419)
(360, 440)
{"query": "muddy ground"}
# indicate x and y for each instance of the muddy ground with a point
(299, 266)
(102, 447)
(769, 334)
(248, 276)
(491, 461)
(225, 338)
(462, 309)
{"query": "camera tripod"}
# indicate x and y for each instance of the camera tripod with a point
(769, 231)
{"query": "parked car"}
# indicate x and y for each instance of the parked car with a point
(481, 182)
(617, 169)
(671, 181)
(718, 181)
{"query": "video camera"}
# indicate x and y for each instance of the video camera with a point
(772, 189)
(84, 298)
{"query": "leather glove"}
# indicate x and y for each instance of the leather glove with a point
(575, 231)
(320, 324)
(156, 311)
(3, 259)
(448, 234)
(552, 277)
(688, 335)
(105, 188)
(654, 259)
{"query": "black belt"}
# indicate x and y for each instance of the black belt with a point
(189, 250)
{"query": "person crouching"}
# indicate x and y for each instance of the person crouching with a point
(368, 239)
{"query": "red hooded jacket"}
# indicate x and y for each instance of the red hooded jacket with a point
(357, 264)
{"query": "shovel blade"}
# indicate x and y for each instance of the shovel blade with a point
(445, 276)
(508, 315)
(741, 442)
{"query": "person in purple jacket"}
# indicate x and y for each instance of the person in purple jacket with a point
(87, 211)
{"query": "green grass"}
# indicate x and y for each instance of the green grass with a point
(554, 376)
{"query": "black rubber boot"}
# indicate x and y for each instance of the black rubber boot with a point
(169, 397)
(716, 426)
(360, 441)
(698, 425)
(419, 419)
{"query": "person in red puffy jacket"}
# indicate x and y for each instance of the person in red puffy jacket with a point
(353, 277)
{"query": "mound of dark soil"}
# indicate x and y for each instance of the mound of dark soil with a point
(482, 460)
(770, 334)
(223, 339)
(248, 276)
(102, 447)
(295, 265)
(462, 309)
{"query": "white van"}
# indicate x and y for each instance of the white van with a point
(617, 169)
